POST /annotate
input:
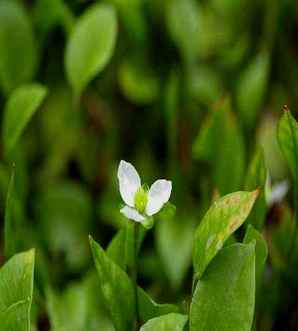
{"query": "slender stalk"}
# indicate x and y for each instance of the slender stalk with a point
(131, 256)
(135, 271)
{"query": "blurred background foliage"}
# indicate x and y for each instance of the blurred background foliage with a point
(189, 90)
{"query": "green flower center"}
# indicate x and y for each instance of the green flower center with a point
(141, 199)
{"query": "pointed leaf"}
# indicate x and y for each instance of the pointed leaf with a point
(224, 217)
(117, 288)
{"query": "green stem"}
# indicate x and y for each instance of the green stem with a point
(135, 271)
(131, 256)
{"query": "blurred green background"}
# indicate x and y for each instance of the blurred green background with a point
(186, 90)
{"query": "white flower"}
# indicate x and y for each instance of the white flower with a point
(277, 192)
(140, 203)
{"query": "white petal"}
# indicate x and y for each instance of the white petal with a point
(129, 182)
(278, 192)
(132, 214)
(158, 195)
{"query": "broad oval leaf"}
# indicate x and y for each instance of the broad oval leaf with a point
(224, 297)
(16, 289)
(117, 289)
(287, 134)
(91, 45)
(170, 322)
(17, 46)
(224, 217)
(20, 107)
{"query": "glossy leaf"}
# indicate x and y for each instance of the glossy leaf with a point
(117, 289)
(17, 46)
(16, 300)
(20, 107)
(91, 45)
(224, 217)
(224, 297)
(170, 322)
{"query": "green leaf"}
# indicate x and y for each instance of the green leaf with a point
(17, 46)
(117, 288)
(256, 178)
(149, 309)
(91, 45)
(16, 289)
(251, 89)
(183, 22)
(224, 217)
(287, 135)
(170, 322)
(170, 234)
(224, 298)
(252, 235)
(20, 107)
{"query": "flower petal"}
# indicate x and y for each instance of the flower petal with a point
(132, 214)
(278, 192)
(129, 182)
(158, 195)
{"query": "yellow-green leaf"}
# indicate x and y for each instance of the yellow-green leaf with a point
(224, 217)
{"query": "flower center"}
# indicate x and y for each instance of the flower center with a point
(141, 199)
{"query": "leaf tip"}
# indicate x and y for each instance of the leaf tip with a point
(256, 193)
(285, 108)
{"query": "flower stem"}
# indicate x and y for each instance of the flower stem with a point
(132, 235)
